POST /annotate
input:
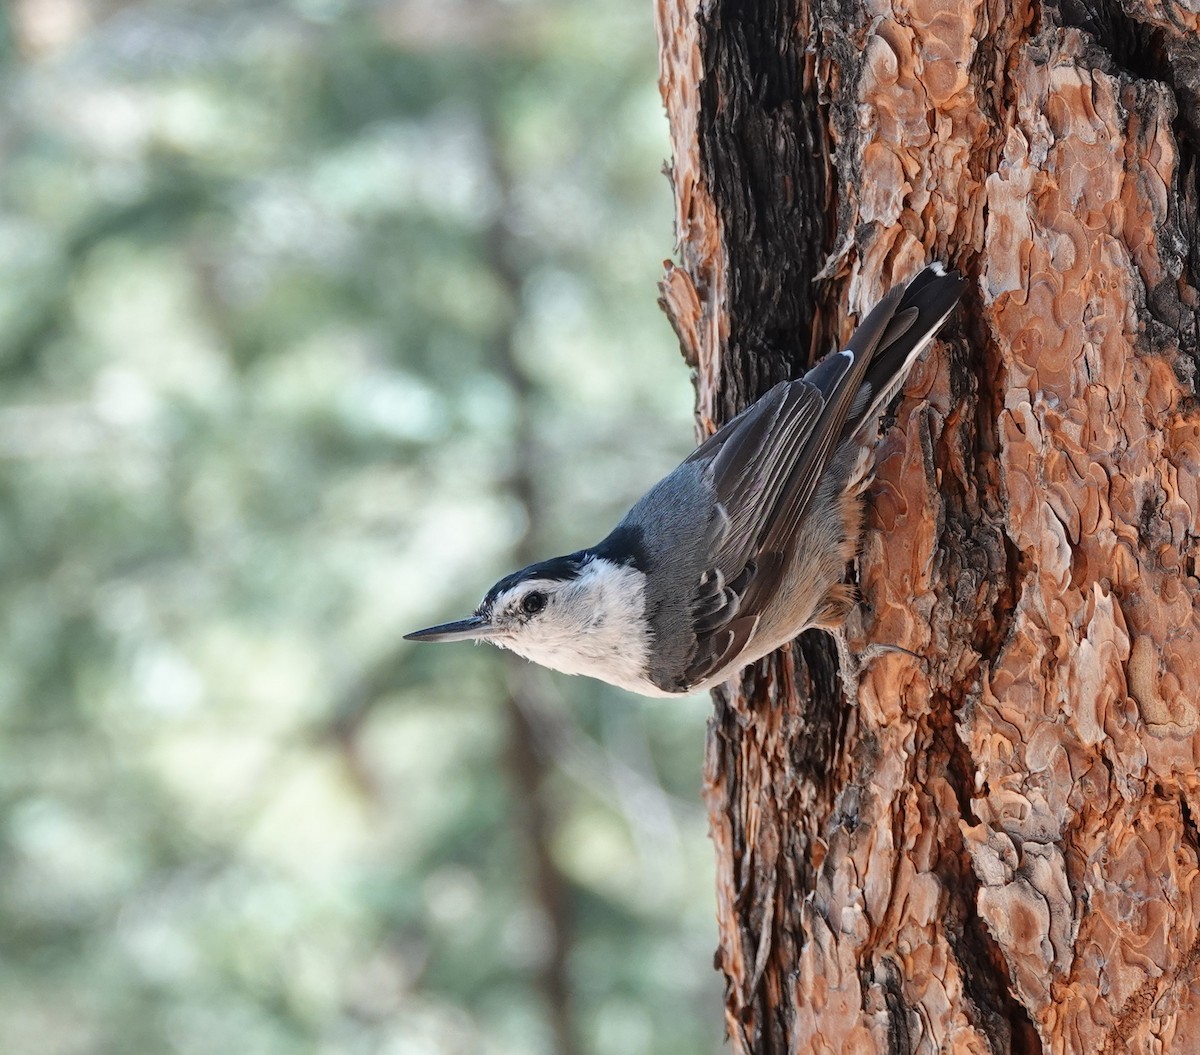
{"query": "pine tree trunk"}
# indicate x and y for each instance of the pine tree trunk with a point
(992, 847)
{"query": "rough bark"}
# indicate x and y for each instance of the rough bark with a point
(992, 847)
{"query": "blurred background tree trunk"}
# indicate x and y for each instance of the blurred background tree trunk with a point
(991, 847)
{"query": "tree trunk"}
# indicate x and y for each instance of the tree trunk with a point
(992, 847)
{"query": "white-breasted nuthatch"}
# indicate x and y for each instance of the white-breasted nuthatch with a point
(739, 549)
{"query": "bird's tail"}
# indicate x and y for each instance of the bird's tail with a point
(900, 326)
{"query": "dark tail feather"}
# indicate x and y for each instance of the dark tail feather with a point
(852, 384)
(927, 301)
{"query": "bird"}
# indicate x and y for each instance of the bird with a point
(739, 549)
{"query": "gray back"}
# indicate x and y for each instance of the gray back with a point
(674, 521)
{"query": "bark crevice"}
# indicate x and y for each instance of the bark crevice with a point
(899, 1031)
(1001, 1017)
(1141, 42)
(764, 155)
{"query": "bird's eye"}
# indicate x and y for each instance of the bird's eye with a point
(533, 602)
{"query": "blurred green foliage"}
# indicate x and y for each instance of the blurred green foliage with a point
(295, 297)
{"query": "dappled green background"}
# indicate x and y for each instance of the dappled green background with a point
(316, 318)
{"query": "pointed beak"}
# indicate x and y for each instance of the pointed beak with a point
(476, 628)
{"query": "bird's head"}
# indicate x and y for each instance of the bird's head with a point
(580, 614)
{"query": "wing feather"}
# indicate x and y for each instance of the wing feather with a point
(718, 648)
(765, 465)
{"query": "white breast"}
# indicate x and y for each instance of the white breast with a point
(595, 625)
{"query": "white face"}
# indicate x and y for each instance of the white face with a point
(593, 624)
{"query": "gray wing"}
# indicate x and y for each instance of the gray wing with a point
(764, 467)
(749, 465)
